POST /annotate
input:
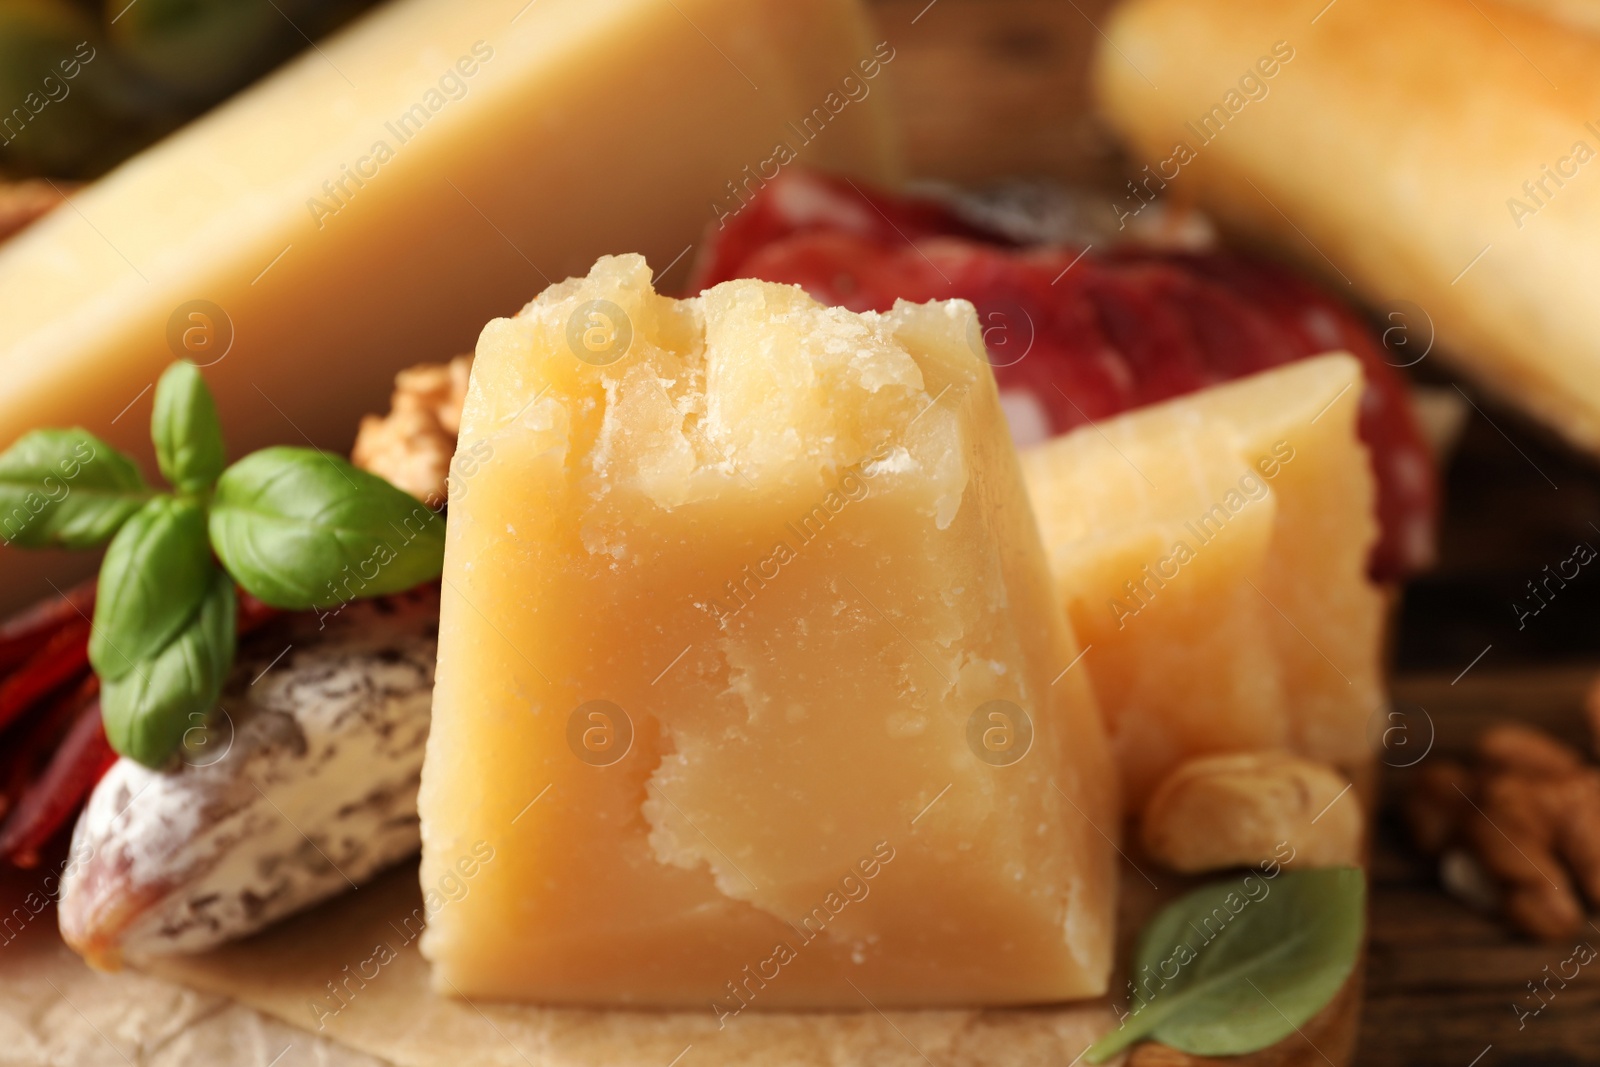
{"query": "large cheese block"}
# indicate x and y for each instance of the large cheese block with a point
(1210, 552)
(750, 672)
(1430, 156)
(375, 202)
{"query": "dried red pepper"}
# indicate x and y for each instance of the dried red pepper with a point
(80, 760)
(26, 632)
(63, 657)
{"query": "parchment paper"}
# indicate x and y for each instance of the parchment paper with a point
(266, 1002)
(286, 971)
(55, 1011)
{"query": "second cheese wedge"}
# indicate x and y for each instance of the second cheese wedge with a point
(750, 671)
(1211, 552)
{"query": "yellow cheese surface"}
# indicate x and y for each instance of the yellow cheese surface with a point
(371, 205)
(750, 670)
(1211, 553)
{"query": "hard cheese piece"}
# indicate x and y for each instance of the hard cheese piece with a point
(1431, 157)
(1210, 552)
(746, 668)
(374, 203)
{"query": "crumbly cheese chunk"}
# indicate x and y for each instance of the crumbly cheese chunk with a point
(750, 668)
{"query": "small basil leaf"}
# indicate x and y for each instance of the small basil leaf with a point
(153, 578)
(148, 710)
(185, 429)
(300, 529)
(1237, 965)
(66, 489)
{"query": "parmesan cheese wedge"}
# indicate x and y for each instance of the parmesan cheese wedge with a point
(750, 669)
(1210, 552)
(372, 204)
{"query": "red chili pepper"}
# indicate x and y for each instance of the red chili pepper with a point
(27, 631)
(63, 657)
(81, 760)
(35, 736)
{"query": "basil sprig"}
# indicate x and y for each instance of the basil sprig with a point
(153, 578)
(186, 430)
(1238, 965)
(296, 528)
(148, 710)
(66, 489)
(302, 528)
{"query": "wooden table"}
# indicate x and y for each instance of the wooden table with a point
(1442, 981)
(991, 89)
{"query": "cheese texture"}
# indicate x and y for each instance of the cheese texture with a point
(1211, 553)
(372, 204)
(749, 669)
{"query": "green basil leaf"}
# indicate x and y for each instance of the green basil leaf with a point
(185, 429)
(149, 709)
(152, 580)
(1237, 965)
(66, 489)
(300, 529)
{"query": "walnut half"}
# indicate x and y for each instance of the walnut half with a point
(1224, 811)
(413, 444)
(1519, 830)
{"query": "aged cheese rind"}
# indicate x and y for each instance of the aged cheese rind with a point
(520, 141)
(1211, 552)
(800, 804)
